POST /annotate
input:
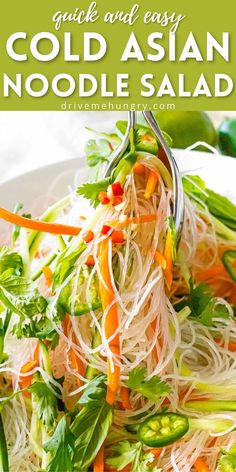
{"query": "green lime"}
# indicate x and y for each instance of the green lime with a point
(227, 137)
(186, 127)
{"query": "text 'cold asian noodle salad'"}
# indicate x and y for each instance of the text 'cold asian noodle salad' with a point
(117, 348)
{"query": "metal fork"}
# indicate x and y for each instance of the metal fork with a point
(178, 203)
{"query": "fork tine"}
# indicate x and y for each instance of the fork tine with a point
(178, 205)
(115, 158)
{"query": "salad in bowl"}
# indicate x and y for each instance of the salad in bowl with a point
(117, 343)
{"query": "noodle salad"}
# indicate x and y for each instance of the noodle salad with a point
(117, 344)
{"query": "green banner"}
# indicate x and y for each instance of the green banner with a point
(103, 55)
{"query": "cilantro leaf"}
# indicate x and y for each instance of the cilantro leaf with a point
(95, 390)
(90, 427)
(20, 295)
(45, 403)
(153, 389)
(10, 260)
(97, 152)
(91, 190)
(203, 305)
(227, 462)
(61, 448)
(65, 265)
(37, 326)
(126, 453)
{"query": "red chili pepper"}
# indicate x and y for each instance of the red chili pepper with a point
(103, 198)
(88, 237)
(117, 189)
(105, 229)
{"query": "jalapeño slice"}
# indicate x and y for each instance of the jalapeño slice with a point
(162, 429)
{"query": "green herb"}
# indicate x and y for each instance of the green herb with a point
(153, 389)
(97, 153)
(227, 462)
(145, 139)
(90, 427)
(91, 190)
(65, 265)
(46, 404)
(4, 464)
(203, 305)
(126, 453)
(61, 448)
(20, 295)
(95, 390)
(10, 260)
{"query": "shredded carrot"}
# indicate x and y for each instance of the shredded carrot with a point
(168, 256)
(136, 220)
(212, 272)
(231, 345)
(159, 340)
(26, 381)
(111, 321)
(159, 258)
(201, 466)
(37, 352)
(125, 400)
(53, 228)
(47, 272)
(76, 362)
(151, 184)
(156, 452)
(98, 465)
(139, 168)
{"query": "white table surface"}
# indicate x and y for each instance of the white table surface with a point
(32, 139)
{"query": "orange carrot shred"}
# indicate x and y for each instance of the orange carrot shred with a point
(139, 168)
(111, 322)
(201, 466)
(76, 362)
(125, 399)
(136, 220)
(98, 465)
(151, 184)
(53, 228)
(47, 272)
(168, 255)
(159, 258)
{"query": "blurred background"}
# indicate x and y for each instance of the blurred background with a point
(33, 139)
